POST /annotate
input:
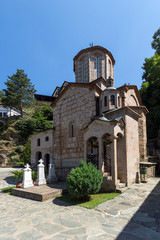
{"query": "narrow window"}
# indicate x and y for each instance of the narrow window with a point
(0, 114)
(112, 100)
(72, 130)
(47, 139)
(97, 65)
(105, 101)
(38, 142)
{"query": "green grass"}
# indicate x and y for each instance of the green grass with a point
(8, 190)
(91, 202)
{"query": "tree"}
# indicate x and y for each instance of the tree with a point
(19, 92)
(150, 90)
(27, 152)
(156, 41)
(1, 95)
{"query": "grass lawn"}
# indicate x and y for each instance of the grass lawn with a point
(8, 189)
(91, 202)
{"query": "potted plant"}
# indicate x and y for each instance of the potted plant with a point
(18, 176)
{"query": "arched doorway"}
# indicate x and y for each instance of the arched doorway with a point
(93, 151)
(38, 156)
(46, 160)
(106, 165)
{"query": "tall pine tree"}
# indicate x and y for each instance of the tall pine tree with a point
(19, 92)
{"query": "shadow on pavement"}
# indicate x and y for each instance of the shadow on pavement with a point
(145, 224)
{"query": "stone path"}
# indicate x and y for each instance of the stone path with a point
(133, 215)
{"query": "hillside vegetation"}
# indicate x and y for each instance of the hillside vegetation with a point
(14, 137)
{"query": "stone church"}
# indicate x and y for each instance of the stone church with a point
(95, 122)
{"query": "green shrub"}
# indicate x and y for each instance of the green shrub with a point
(26, 157)
(18, 149)
(84, 180)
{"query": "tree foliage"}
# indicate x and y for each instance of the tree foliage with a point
(19, 92)
(45, 112)
(26, 157)
(29, 126)
(156, 41)
(150, 90)
(1, 95)
(84, 180)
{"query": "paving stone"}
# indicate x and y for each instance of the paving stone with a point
(49, 228)
(76, 231)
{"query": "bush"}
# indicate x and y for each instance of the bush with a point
(26, 157)
(84, 180)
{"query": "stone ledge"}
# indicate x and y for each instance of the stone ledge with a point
(40, 193)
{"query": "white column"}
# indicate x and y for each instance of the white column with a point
(114, 159)
(40, 174)
(27, 177)
(100, 153)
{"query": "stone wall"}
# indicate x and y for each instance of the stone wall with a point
(72, 112)
(132, 148)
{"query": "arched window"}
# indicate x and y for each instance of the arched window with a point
(38, 142)
(105, 101)
(112, 100)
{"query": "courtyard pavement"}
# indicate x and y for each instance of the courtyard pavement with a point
(133, 215)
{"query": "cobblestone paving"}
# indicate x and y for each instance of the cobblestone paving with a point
(133, 215)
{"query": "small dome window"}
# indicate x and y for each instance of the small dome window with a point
(112, 100)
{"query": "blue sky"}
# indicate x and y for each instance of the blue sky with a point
(43, 36)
